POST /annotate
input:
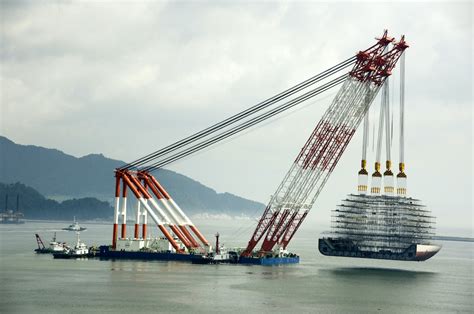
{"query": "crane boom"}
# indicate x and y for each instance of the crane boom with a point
(300, 187)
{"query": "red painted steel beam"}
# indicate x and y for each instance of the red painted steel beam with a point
(268, 245)
(264, 223)
(199, 235)
(270, 241)
(180, 236)
(156, 192)
(292, 230)
(189, 236)
(137, 188)
(161, 193)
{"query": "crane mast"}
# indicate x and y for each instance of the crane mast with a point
(299, 189)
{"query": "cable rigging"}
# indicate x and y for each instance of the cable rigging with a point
(245, 125)
(239, 116)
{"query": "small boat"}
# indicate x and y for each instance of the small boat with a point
(220, 256)
(78, 251)
(74, 226)
(9, 216)
(54, 246)
(223, 257)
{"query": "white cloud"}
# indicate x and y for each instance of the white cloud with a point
(90, 76)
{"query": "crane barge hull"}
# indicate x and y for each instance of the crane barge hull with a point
(106, 253)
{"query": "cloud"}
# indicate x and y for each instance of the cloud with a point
(127, 78)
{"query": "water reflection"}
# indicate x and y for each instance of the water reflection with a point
(377, 272)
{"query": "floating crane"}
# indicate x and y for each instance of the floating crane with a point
(361, 77)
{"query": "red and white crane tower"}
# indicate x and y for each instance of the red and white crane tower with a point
(153, 200)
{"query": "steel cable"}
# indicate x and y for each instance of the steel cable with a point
(247, 124)
(242, 115)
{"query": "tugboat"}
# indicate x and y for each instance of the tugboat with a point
(74, 226)
(220, 256)
(54, 246)
(80, 250)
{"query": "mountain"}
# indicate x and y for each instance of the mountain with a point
(61, 176)
(35, 206)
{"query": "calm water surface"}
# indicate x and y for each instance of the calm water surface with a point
(32, 283)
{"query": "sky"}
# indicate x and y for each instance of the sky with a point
(126, 78)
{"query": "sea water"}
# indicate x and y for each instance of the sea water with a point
(34, 283)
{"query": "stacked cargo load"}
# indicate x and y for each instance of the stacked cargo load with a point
(382, 224)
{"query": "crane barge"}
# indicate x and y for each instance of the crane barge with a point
(296, 194)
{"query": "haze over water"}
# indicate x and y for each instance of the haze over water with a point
(319, 284)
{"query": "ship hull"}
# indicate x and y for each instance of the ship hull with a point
(106, 253)
(71, 256)
(424, 252)
(415, 252)
(44, 251)
(74, 229)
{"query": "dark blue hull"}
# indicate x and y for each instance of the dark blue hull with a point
(268, 261)
(106, 253)
(44, 251)
(346, 248)
(71, 256)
